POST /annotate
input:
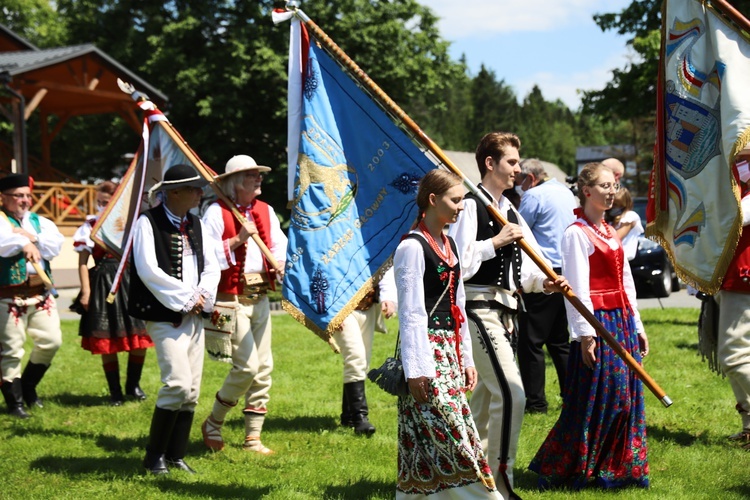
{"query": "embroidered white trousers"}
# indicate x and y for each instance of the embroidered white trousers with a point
(179, 352)
(734, 346)
(36, 317)
(355, 340)
(252, 360)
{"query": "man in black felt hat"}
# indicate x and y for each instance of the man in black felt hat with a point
(25, 306)
(173, 282)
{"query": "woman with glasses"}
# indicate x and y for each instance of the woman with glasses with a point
(107, 329)
(600, 437)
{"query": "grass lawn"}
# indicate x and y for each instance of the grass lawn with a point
(78, 447)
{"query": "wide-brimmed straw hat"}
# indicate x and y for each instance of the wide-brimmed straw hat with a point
(242, 163)
(180, 176)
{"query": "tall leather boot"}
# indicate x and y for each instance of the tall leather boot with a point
(133, 380)
(162, 425)
(346, 411)
(14, 398)
(115, 391)
(358, 406)
(178, 442)
(32, 374)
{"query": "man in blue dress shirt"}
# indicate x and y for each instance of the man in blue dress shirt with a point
(547, 206)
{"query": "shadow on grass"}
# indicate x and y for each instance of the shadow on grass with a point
(103, 441)
(304, 423)
(75, 400)
(361, 489)
(743, 490)
(671, 322)
(679, 437)
(690, 346)
(125, 469)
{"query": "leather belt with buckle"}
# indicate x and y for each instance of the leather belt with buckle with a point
(30, 288)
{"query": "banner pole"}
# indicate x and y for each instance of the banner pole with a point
(207, 173)
(394, 108)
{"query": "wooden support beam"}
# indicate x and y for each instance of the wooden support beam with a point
(63, 120)
(32, 105)
(74, 89)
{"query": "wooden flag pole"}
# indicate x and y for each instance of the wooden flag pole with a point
(205, 172)
(392, 107)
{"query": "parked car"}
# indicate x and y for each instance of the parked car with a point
(653, 272)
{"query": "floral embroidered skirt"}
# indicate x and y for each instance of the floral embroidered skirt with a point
(600, 437)
(108, 328)
(438, 444)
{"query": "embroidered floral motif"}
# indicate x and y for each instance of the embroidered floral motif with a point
(17, 310)
(45, 305)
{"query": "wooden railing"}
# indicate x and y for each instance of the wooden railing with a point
(65, 204)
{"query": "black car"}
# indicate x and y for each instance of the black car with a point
(653, 272)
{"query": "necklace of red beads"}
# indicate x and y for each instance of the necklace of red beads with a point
(446, 254)
(598, 231)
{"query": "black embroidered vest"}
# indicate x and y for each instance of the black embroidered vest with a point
(436, 275)
(496, 271)
(168, 245)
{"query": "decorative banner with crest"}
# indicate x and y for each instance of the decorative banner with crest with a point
(703, 120)
(353, 194)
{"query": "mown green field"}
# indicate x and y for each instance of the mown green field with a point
(78, 447)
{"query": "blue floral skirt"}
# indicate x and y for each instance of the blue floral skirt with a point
(438, 444)
(600, 436)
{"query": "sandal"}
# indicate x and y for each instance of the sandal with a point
(253, 443)
(211, 430)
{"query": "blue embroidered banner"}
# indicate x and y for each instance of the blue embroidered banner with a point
(353, 196)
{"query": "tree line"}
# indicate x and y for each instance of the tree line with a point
(223, 65)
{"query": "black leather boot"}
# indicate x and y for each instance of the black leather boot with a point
(162, 425)
(355, 394)
(14, 398)
(133, 381)
(346, 411)
(32, 374)
(178, 443)
(115, 391)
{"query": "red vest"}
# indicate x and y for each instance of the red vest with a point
(605, 274)
(737, 278)
(232, 281)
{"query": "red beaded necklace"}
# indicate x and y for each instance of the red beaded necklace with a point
(447, 254)
(598, 231)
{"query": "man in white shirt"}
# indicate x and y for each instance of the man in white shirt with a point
(355, 340)
(246, 278)
(493, 268)
(173, 284)
(27, 241)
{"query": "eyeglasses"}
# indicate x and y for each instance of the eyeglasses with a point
(608, 185)
(254, 174)
(19, 196)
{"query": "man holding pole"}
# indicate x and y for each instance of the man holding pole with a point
(494, 270)
(245, 280)
(172, 284)
(27, 243)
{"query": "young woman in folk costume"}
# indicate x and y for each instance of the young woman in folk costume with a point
(104, 328)
(600, 437)
(439, 451)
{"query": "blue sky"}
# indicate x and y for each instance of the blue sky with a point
(552, 43)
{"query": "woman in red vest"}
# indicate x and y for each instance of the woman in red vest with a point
(600, 437)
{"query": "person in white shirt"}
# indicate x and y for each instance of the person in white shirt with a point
(26, 240)
(173, 282)
(493, 269)
(246, 278)
(355, 340)
(626, 221)
(439, 450)
(600, 437)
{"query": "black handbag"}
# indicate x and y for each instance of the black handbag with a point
(390, 375)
